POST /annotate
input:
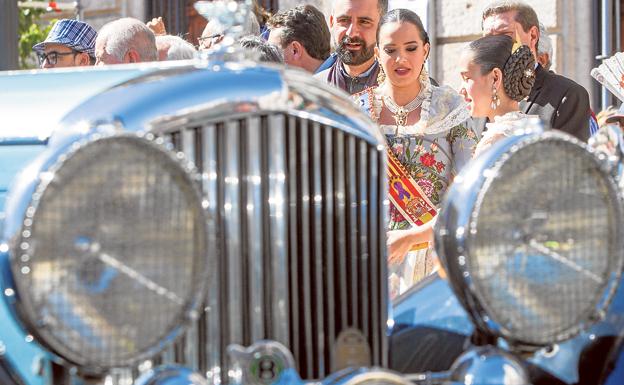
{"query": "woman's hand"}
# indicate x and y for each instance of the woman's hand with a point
(400, 242)
(157, 25)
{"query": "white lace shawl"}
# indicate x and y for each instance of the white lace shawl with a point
(505, 124)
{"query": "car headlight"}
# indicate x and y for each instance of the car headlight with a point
(531, 235)
(111, 257)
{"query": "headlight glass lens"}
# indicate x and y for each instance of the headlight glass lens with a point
(543, 241)
(112, 253)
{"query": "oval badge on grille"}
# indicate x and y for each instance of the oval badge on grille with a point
(351, 350)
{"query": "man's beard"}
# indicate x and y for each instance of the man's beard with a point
(358, 57)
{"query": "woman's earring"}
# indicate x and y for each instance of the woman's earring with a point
(381, 76)
(495, 99)
(424, 74)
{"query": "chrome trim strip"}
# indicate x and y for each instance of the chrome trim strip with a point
(340, 231)
(189, 344)
(231, 213)
(253, 182)
(382, 288)
(317, 245)
(188, 144)
(303, 180)
(375, 245)
(212, 307)
(278, 231)
(364, 252)
(352, 231)
(328, 235)
(293, 252)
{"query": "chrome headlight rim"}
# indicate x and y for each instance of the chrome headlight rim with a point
(25, 312)
(366, 376)
(454, 239)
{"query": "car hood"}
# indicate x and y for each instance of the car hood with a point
(32, 103)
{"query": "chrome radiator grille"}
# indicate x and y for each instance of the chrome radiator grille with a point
(297, 237)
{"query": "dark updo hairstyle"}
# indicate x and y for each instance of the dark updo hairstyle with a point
(491, 52)
(401, 15)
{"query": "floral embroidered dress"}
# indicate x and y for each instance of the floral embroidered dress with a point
(432, 151)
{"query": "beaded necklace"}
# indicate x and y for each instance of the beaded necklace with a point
(400, 112)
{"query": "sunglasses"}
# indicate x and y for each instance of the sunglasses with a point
(52, 57)
(208, 41)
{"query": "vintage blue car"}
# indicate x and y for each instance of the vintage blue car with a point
(223, 222)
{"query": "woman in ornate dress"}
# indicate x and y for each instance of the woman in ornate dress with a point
(429, 139)
(496, 75)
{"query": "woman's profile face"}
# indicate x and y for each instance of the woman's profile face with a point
(476, 88)
(401, 52)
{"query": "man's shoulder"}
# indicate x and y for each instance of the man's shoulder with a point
(322, 75)
(562, 83)
(327, 64)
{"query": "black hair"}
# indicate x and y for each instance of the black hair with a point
(305, 24)
(401, 15)
(491, 52)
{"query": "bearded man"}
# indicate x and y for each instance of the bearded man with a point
(353, 24)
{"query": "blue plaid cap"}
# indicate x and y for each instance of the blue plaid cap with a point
(73, 34)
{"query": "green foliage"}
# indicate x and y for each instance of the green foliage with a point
(30, 33)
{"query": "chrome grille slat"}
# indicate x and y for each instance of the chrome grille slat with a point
(363, 196)
(297, 226)
(303, 180)
(253, 179)
(328, 234)
(188, 144)
(212, 307)
(382, 286)
(278, 211)
(231, 214)
(316, 197)
(340, 257)
(188, 349)
(352, 230)
(293, 238)
(375, 244)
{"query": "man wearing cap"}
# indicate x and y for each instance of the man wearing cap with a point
(70, 43)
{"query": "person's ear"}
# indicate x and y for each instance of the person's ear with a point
(376, 52)
(132, 56)
(497, 78)
(297, 49)
(427, 47)
(331, 21)
(83, 59)
(535, 35)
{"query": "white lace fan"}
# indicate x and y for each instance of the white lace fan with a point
(611, 74)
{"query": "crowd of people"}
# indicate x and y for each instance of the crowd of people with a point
(379, 58)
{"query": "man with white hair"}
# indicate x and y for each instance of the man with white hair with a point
(544, 48)
(174, 48)
(125, 40)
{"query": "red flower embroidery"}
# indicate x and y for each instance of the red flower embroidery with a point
(427, 160)
(440, 166)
